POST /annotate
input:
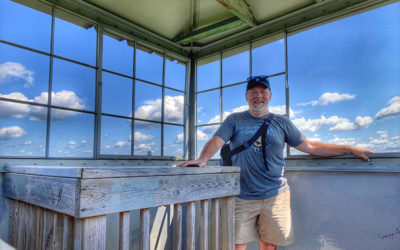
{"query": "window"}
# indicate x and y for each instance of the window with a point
(345, 82)
(140, 91)
(216, 98)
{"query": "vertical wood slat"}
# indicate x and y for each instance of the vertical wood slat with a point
(177, 230)
(48, 235)
(215, 223)
(145, 229)
(78, 234)
(20, 243)
(124, 225)
(228, 223)
(15, 218)
(68, 233)
(190, 225)
(204, 225)
(94, 232)
(39, 228)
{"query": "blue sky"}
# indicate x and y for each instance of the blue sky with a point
(344, 86)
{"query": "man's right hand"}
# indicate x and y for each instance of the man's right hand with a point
(198, 163)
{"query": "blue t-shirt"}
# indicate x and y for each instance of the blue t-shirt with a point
(256, 182)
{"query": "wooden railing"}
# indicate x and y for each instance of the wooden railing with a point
(67, 207)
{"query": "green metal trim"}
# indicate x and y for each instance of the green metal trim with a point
(240, 9)
(209, 30)
(98, 15)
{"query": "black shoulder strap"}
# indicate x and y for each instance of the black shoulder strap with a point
(261, 131)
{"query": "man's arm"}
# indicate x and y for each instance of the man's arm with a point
(208, 151)
(327, 150)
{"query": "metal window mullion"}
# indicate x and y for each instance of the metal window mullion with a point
(98, 89)
(163, 106)
(191, 110)
(133, 101)
(287, 89)
(220, 85)
(251, 58)
(50, 90)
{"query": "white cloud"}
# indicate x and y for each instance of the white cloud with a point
(392, 110)
(143, 148)
(72, 144)
(12, 132)
(337, 123)
(151, 110)
(13, 69)
(179, 138)
(328, 98)
(343, 141)
(139, 137)
(122, 144)
(63, 98)
(28, 142)
(14, 110)
(201, 136)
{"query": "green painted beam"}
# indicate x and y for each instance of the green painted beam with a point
(240, 9)
(209, 30)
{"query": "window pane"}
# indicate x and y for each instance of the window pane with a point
(22, 133)
(24, 75)
(117, 56)
(277, 104)
(117, 95)
(71, 134)
(148, 101)
(208, 73)
(73, 85)
(19, 24)
(235, 65)
(115, 136)
(208, 107)
(173, 140)
(149, 66)
(147, 138)
(345, 81)
(175, 74)
(234, 100)
(268, 59)
(75, 42)
(173, 107)
(204, 134)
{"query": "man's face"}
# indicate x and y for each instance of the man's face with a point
(258, 98)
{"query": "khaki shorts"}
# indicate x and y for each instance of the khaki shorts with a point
(269, 220)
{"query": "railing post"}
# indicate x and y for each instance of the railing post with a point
(177, 228)
(190, 222)
(145, 229)
(228, 223)
(124, 225)
(204, 225)
(215, 222)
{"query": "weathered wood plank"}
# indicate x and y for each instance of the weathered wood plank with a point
(49, 229)
(94, 233)
(58, 171)
(177, 228)
(215, 224)
(15, 220)
(58, 194)
(58, 231)
(40, 228)
(145, 229)
(78, 234)
(228, 223)
(190, 225)
(104, 196)
(124, 226)
(204, 225)
(68, 233)
(105, 172)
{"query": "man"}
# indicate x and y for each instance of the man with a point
(262, 209)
